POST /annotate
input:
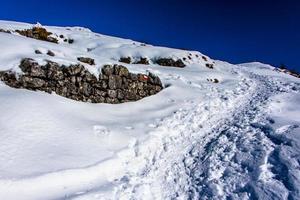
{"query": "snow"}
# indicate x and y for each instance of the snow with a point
(195, 139)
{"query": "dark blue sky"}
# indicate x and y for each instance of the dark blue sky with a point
(235, 31)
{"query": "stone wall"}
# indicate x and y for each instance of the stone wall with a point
(115, 84)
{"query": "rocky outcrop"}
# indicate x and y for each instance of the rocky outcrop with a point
(169, 62)
(115, 84)
(38, 33)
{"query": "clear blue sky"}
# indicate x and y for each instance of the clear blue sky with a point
(235, 31)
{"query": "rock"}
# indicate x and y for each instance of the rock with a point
(87, 60)
(112, 93)
(143, 78)
(89, 77)
(74, 69)
(38, 33)
(32, 83)
(26, 65)
(86, 89)
(101, 85)
(4, 31)
(54, 71)
(210, 66)
(143, 61)
(114, 82)
(70, 41)
(120, 95)
(170, 62)
(204, 58)
(10, 79)
(121, 70)
(155, 79)
(133, 77)
(125, 60)
(50, 53)
(100, 93)
(37, 52)
(32, 68)
(111, 100)
(215, 81)
(107, 70)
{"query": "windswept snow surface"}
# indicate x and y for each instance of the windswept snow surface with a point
(238, 139)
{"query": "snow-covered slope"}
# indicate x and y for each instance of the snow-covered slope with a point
(238, 138)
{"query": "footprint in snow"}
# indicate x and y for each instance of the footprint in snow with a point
(100, 130)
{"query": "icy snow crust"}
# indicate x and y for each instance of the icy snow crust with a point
(237, 139)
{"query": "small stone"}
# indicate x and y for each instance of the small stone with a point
(37, 52)
(50, 53)
(87, 60)
(210, 66)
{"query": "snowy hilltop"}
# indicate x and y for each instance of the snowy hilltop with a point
(87, 116)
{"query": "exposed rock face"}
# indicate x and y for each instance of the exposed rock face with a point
(89, 61)
(169, 62)
(38, 33)
(114, 85)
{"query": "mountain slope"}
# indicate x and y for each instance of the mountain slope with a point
(198, 138)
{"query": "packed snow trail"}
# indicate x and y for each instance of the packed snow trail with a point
(212, 158)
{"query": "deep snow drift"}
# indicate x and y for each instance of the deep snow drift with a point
(237, 139)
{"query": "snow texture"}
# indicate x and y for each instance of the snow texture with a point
(236, 139)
